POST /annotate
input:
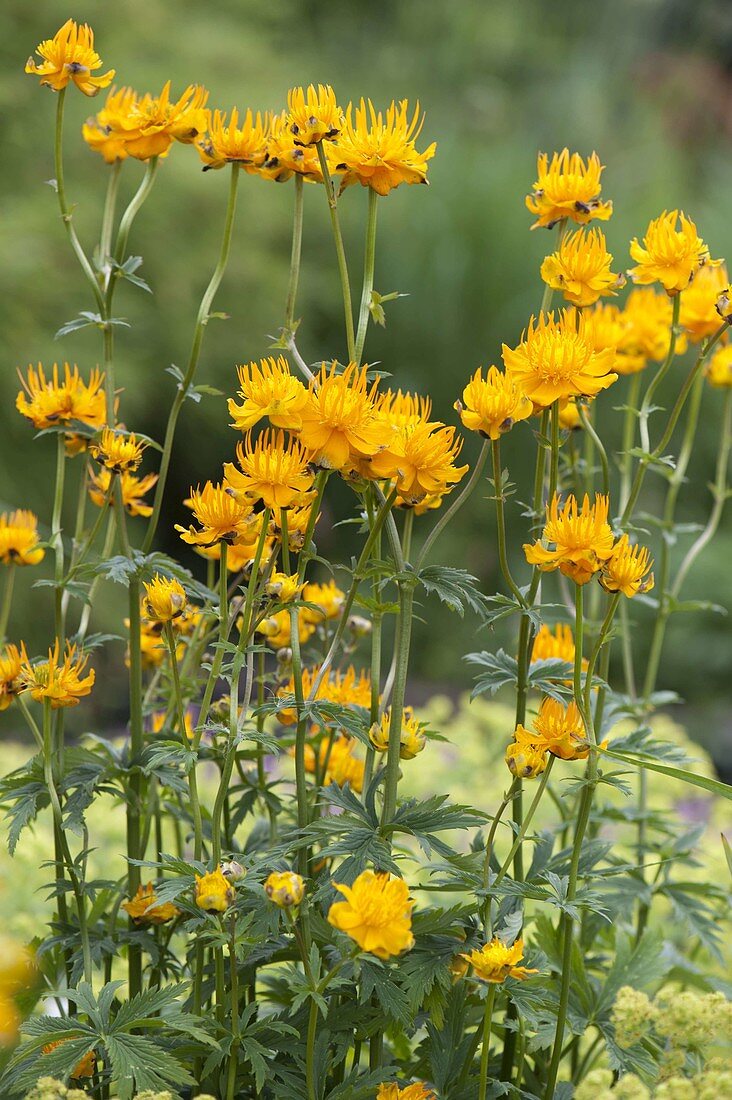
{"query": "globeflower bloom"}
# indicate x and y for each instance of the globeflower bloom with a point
(214, 892)
(283, 587)
(525, 760)
(580, 268)
(327, 598)
(285, 158)
(61, 682)
(698, 314)
(10, 683)
(421, 460)
(221, 515)
(268, 389)
(62, 398)
(274, 470)
(117, 451)
(647, 317)
(719, 368)
(19, 542)
(277, 629)
(628, 569)
(556, 359)
(379, 151)
(153, 123)
(671, 254)
(106, 131)
(496, 961)
(133, 491)
(582, 538)
(285, 888)
(416, 1091)
(555, 644)
(227, 142)
(85, 1067)
(492, 405)
(165, 598)
(313, 114)
(567, 187)
(377, 914)
(70, 58)
(143, 910)
(340, 424)
(558, 730)
(412, 735)
(345, 688)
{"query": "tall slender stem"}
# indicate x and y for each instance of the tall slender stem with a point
(181, 720)
(219, 654)
(486, 1042)
(340, 251)
(135, 789)
(7, 601)
(402, 644)
(599, 447)
(501, 522)
(133, 209)
(447, 516)
(629, 425)
(57, 535)
(368, 274)
(110, 204)
(295, 255)
(645, 409)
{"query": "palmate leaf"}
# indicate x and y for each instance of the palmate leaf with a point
(139, 1063)
(456, 588)
(499, 670)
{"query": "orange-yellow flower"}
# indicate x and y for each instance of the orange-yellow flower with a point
(227, 142)
(313, 114)
(412, 736)
(273, 469)
(268, 389)
(19, 543)
(558, 730)
(85, 1067)
(671, 254)
(150, 124)
(525, 761)
(60, 681)
(165, 598)
(277, 629)
(628, 569)
(327, 598)
(416, 1091)
(609, 326)
(118, 451)
(340, 763)
(214, 892)
(379, 151)
(647, 317)
(698, 314)
(10, 683)
(580, 268)
(554, 644)
(556, 359)
(221, 515)
(346, 688)
(143, 910)
(106, 131)
(61, 399)
(133, 491)
(492, 405)
(569, 415)
(567, 188)
(285, 888)
(719, 368)
(283, 587)
(496, 961)
(339, 422)
(285, 157)
(402, 410)
(421, 460)
(70, 57)
(582, 539)
(377, 914)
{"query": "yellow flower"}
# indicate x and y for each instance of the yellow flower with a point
(158, 720)
(222, 516)
(153, 649)
(609, 326)
(377, 914)
(85, 1067)
(493, 405)
(557, 729)
(669, 255)
(285, 888)
(297, 517)
(229, 143)
(285, 157)
(719, 368)
(628, 569)
(58, 681)
(346, 688)
(17, 967)
(567, 188)
(277, 629)
(421, 460)
(378, 151)
(525, 761)
(282, 587)
(724, 304)
(150, 124)
(268, 389)
(556, 359)
(19, 543)
(327, 598)
(143, 910)
(402, 410)
(164, 598)
(416, 1091)
(273, 470)
(569, 415)
(133, 490)
(412, 737)
(105, 132)
(647, 317)
(10, 684)
(556, 644)
(117, 450)
(60, 400)
(214, 892)
(582, 538)
(313, 115)
(496, 961)
(698, 313)
(70, 57)
(341, 766)
(340, 425)
(580, 268)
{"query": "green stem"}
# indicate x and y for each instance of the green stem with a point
(526, 822)
(599, 446)
(368, 274)
(135, 790)
(629, 424)
(57, 536)
(402, 644)
(554, 452)
(485, 1044)
(133, 209)
(448, 516)
(340, 251)
(7, 599)
(310, 1048)
(110, 204)
(202, 319)
(219, 653)
(501, 522)
(234, 1014)
(295, 256)
(181, 719)
(645, 409)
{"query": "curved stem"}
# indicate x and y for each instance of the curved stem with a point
(599, 446)
(110, 204)
(660, 374)
(629, 423)
(133, 209)
(525, 822)
(202, 319)
(448, 516)
(340, 251)
(295, 256)
(368, 274)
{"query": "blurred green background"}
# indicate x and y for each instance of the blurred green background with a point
(648, 83)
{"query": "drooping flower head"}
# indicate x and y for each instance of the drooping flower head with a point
(148, 124)
(10, 682)
(412, 738)
(492, 405)
(19, 542)
(377, 914)
(221, 515)
(558, 730)
(165, 598)
(106, 131)
(272, 469)
(580, 268)
(133, 491)
(567, 187)
(574, 540)
(62, 398)
(420, 458)
(340, 424)
(283, 587)
(719, 368)
(671, 254)
(313, 114)
(143, 908)
(285, 888)
(556, 359)
(268, 388)
(496, 961)
(118, 451)
(698, 314)
(70, 58)
(378, 150)
(628, 569)
(228, 142)
(58, 680)
(214, 892)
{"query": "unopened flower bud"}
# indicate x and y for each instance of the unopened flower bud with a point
(724, 304)
(233, 871)
(359, 626)
(285, 888)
